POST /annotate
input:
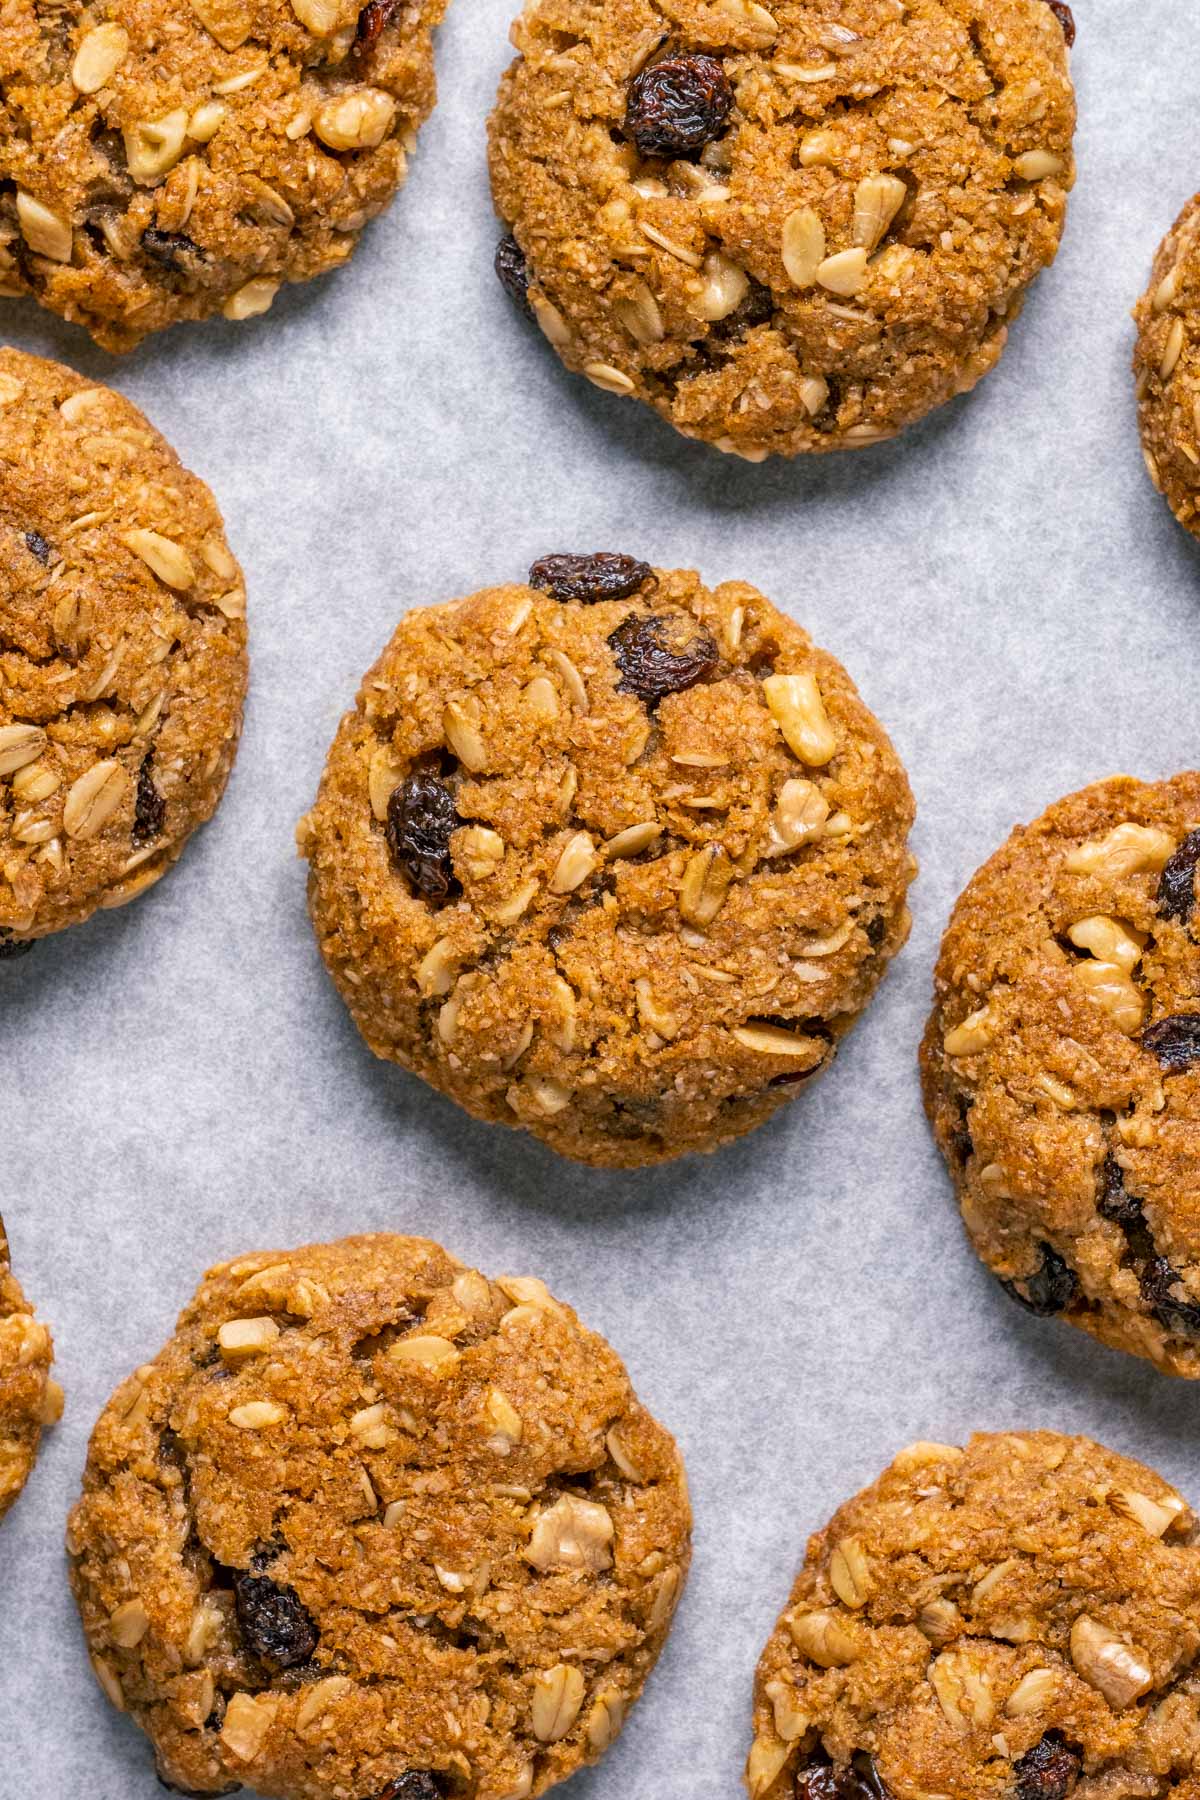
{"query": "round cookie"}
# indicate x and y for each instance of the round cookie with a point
(122, 651)
(139, 188)
(789, 228)
(372, 1525)
(612, 856)
(29, 1399)
(1166, 362)
(1061, 1065)
(1012, 1621)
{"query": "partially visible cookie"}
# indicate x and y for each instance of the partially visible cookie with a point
(372, 1525)
(1019, 1620)
(1061, 1065)
(161, 162)
(790, 227)
(122, 651)
(29, 1399)
(611, 856)
(1166, 362)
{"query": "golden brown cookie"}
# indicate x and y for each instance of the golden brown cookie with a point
(613, 856)
(1061, 1065)
(122, 651)
(372, 1525)
(1166, 362)
(787, 227)
(29, 1399)
(164, 161)
(1013, 1621)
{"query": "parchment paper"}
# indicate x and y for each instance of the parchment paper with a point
(180, 1081)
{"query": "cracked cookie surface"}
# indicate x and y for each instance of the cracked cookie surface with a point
(1018, 1620)
(122, 651)
(138, 189)
(373, 1527)
(795, 226)
(29, 1399)
(1166, 364)
(1061, 1065)
(620, 867)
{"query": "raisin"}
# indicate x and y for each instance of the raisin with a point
(1177, 884)
(421, 818)
(1182, 1316)
(1175, 1042)
(1049, 1771)
(758, 308)
(1065, 17)
(170, 248)
(37, 546)
(604, 575)
(1114, 1201)
(273, 1623)
(876, 930)
(857, 1780)
(12, 947)
(676, 106)
(417, 1784)
(372, 22)
(151, 809)
(652, 665)
(513, 272)
(1048, 1290)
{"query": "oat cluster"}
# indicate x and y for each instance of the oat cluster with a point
(619, 867)
(1167, 365)
(374, 1525)
(1061, 1065)
(29, 1399)
(1018, 1620)
(163, 161)
(794, 226)
(122, 651)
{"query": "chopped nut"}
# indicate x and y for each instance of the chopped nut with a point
(369, 1425)
(318, 16)
(541, 696)
(100, 54)
(230, 22)
(1156, 1516)
(1032, 1693)
(1035, 165)
(355, 121)
(250, 300)
(203, 126)
(1112, 989)
(154, 146)
(571, 1534)
(578, 860)
(706, 882)
(652, 1013)
(799, 711)
(163, 557)
(1109, 940)
(767, 1757)
(19, 745)
(844, 273)
(93, 799)
(246, 1337)
(802, 246)
(504, 1420)
(557, 1698)
(319, 1698)
(799, 817)
(106, 1675)
(43, 230)
(1126, 850)
(791, 1721)
(129, 1624)
(437, 1354)
(256, 1415)
(972, 1036)
(1115, 1669)
(823, 1638)
(480, 851)
(963, 1689)
(850, 1572)
(247, 1723)
(726, 285)
(877, 200)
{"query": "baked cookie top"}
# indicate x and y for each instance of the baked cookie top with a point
(29, 1399)
(794, 227)
(1012, 1621)
(140, 188)
(1166, 363)
(1061, 1065)
(611, 856)
(122, 651)
(373, 1525)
